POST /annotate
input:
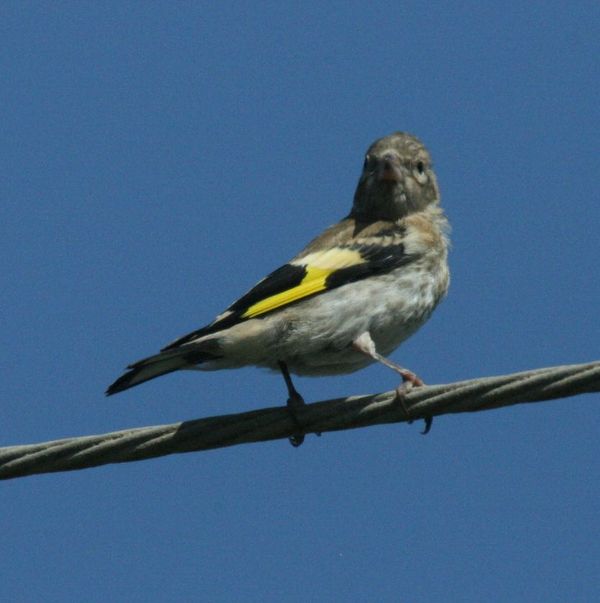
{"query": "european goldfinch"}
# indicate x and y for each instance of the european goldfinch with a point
(346, 300)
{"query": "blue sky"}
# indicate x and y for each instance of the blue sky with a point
(159, 158)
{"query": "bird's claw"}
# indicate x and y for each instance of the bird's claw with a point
(296, 440)
(428, 423)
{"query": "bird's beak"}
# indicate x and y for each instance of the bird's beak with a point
(388, 168)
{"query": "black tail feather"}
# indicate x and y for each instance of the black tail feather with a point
(130, 379)
(156, 366)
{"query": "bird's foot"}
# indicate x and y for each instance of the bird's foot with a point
(410, 380)
(295, 401)
(365, 345)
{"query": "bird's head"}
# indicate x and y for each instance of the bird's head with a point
(397, 179)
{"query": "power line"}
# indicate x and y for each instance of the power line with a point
(276, 423)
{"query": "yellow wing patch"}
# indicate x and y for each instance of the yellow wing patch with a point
(313, 282)
(318, 265)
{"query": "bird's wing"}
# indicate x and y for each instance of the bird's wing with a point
(306, 276)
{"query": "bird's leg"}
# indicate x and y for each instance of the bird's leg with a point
(365, 345)
(294, 401)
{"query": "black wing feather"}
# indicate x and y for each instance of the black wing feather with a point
(379, 260)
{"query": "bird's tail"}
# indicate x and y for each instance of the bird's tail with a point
(155, 366)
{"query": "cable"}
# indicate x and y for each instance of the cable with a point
(276, 423)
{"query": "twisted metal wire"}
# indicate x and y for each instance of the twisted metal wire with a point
(276, 423)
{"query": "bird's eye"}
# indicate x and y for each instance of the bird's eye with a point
(420, 167)
(366, 163)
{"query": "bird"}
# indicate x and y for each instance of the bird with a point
(348, 299)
